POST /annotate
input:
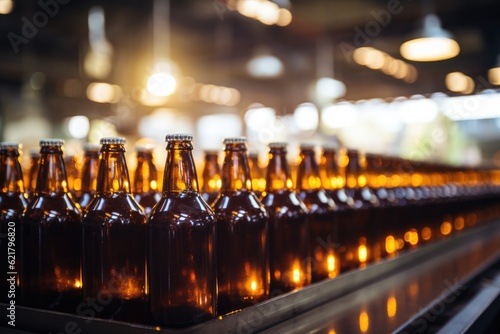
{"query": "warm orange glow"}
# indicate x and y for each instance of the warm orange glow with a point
(426, 233)
(362, 253)
(332, 267)
(414, 289)
(296, 276)
(364, 322)
(390, 244)
(459, 223)
(332, 331)
(445, 228)
(401, 243)
(253, 286)
(411, 237)
(78, 284)
(361, 181)
(391, 306)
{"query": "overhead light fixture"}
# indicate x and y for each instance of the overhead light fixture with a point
(264, 65)
(430, 42)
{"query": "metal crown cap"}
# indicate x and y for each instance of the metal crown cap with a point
(89, 147)
(113, 140)
(235, 140)
(178, 136)
(306, 146)
(278, 144)
(51, 142)
(6, 145)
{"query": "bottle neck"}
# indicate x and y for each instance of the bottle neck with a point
(11, 175)
(331, 175)
(33, 173)
(146, 175)
(355, 170)
(308, 171)
(235, 169)
(211, 173)
(51, 171)
(112, 176)
(180, 172)
(89, 171)
(278, 171)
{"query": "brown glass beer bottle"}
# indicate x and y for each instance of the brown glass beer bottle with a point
(242, 270)
(182, 269)
(288, 227)
(114, 242)
(211, 177)
(51, 238)
(32, 172)
(146, 179)
(322, 216)
(12, 204)
(258, 174)
(73, 174)
(88, 175)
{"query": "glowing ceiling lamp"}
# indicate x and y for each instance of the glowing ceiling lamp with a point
(265, 65)
(430, 42)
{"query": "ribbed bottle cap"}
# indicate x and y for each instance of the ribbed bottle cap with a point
(235, 140)
(89, 147)
(6, 145)
(179, 136)
(278, 144)
(51, 142)
(307, 146)
(113, 140)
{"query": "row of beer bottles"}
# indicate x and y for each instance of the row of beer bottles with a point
(262, 248)
(182, 244)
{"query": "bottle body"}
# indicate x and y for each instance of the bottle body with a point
(12, 204)
(288, 227)
(242, 271)
(114, 242)
(51, 238)
(321, 214)
(181, 254)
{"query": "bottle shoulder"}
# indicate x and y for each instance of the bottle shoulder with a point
(281, 200)
(114, 206)
(317, 200)
(243, 205)
(186, 207)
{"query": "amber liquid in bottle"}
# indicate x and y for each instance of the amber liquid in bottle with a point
(258, 174)
(73, 173)
(12, 204)
(182, 272)
(32, 173)
(51, 238)
(146, 179)
(242, 270)
(88, 175)
(114, 242)
(288, 227)
(322, 217)
(359, 235)
(211, 177)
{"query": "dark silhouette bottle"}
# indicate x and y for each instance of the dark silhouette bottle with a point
(322, 216)
(182, 269)
(32, 173)
(288, 227)
(88, 175)
(362, 233)
(258, 174)
(51, 238)
(211, 177)
(242, 270)
(145, 186)
(332, 168)
(114, 242)
(12, 204)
